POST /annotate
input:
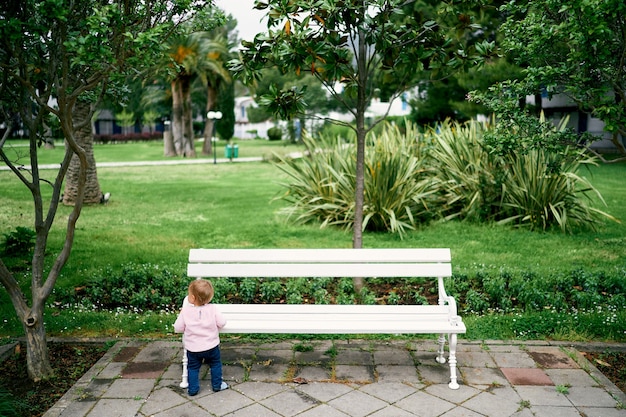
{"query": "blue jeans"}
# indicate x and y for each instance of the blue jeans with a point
(211, 357)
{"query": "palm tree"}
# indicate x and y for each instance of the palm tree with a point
(194, 55)
(212, 76)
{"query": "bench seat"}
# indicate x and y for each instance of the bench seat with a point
(338, 319)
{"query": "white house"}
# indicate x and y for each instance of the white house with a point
(561, 106)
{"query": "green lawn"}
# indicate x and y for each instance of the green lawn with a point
(156, 214)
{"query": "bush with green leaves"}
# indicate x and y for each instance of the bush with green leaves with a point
(140, 287)
(398, 193)
(543, 189)
(507, 292)
(467, 176)
(19, 242)
(274, 133)
(536, 188)
(11, 406)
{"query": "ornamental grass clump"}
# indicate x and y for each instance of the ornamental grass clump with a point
(536, 189)
(543, 189)
(398, 194)
(467, 176)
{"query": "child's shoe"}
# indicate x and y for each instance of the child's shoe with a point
(222, 387)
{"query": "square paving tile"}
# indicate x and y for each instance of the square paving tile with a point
(552, 358)
(223, 402)
(325, 410)
(513, 360)
(526, 376)
(538, 395)
(256, 410)
(476, 360)
(259, 390)
(274, 356)
(313, 373)
(289, 403)
(423, 404)
(591, 397)
(357, 404)
(324, 392)
(162, 399)
(129, 388)
(159, 351)
(390, 392)
(126, 353)
(483, 376)
(551, 411)
(392, 357)
(271, 373)
(571, 377)
(115, 408)
(396, 373)
(435, 374)
(354, 357)
(144, 370)
(493, 405)
(358, 374)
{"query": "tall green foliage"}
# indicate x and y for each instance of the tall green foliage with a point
(536, 188)
(447, 173)
(398, 190)
(543, 189)
(466, 174)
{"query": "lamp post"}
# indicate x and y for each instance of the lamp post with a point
(214, 115)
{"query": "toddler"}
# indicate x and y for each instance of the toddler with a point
(200, 321)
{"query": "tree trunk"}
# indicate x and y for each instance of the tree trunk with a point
(84, 138)
(37, 358)
(168, 144)
(209, 126)
(177, 116)
(618, 143)
(357, 240)
(188, 136)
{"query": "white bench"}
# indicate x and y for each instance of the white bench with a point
(441, 319)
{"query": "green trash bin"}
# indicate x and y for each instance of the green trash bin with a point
(231, 151)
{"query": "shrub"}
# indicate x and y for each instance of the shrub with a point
(536, 189)
(19, 242)
(543, 190)
(274, 133)
(398, 194)
(466, 174)
(140, 287)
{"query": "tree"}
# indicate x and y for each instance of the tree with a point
(313, 94)
(577, 48)
(195, 55)
(347, 43)
(58, 58)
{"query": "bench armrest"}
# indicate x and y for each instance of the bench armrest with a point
(452, 311)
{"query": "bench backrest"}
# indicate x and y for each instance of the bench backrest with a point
(282, 263)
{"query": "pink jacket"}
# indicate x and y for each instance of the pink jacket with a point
(200, 326)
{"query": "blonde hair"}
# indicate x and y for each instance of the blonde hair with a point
(202, 290)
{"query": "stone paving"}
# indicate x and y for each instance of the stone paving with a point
(355, 378)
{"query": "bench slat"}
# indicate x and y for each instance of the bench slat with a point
(332, 309)
(346, 319)
(315, 327)
(368, 255)
(319, 270)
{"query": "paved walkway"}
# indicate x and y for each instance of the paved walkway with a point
(347, 378)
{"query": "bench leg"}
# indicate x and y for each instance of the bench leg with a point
(452, 360)
(185, 381)
(440, 354)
